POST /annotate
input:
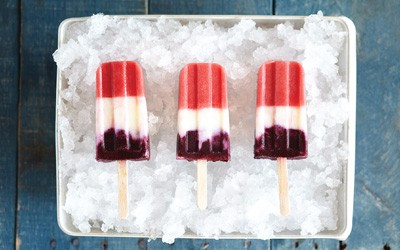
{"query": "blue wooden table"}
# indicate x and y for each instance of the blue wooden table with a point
(28, 38)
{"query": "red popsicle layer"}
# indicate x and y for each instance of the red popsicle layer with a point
(281, 83)
(203, 85)
(119, 79)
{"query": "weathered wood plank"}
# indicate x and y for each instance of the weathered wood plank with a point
(376, 219)
(244, 244)
(36, 220)
(210, 7)
(157, 245)
(76, 243)
(182, 244)
(9, 81)
(305, 244)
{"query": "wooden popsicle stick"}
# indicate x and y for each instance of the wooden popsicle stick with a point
(122, 190)
(202, 184)
(283, 186)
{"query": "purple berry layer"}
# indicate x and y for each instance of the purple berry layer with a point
(117, 146)
(278, 141)
(216, 150)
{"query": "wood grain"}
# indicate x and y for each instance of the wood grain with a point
(36, 220)
(376, 219)
(9, 90)
(260, 7)
(302, 244)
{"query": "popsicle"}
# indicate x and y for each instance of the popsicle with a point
(203, 119)
(281, 123)
(121, 119)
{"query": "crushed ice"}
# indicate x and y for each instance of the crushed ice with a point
(243, 196)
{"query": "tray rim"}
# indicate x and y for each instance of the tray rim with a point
(349, 171)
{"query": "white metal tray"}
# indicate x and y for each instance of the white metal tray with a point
(347, 66)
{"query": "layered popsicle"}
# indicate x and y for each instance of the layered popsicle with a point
(121, 120)
(281, 123)
(203, 116)
(121, 113)
(203, 120)
(280, 132)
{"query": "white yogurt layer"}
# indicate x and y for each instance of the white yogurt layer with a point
(208, 121)
(285, 116)
(122, 113)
